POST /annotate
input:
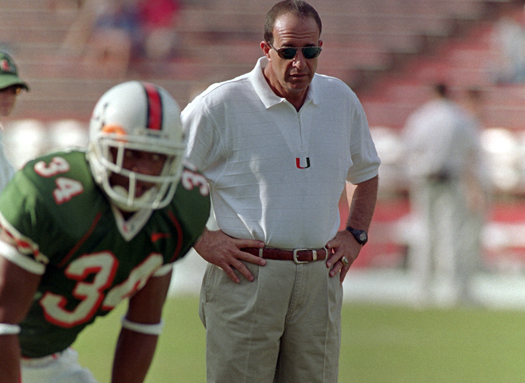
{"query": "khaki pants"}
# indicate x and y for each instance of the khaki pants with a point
(285, 326)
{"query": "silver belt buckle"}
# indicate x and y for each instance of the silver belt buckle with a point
(298, 261)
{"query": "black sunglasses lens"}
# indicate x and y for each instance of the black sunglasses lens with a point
(311, 52)
(287, 53)
(290, 53)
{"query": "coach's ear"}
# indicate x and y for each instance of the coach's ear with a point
(266, 49)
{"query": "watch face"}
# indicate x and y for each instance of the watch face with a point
(360, 235)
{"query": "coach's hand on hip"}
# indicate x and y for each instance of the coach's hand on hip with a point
(345, 250)
(224, 251)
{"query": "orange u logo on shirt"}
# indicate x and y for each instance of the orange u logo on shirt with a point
(302, 163)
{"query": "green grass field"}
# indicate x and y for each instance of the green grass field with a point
(380, 344)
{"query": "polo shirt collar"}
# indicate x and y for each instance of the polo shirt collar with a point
(266, 94)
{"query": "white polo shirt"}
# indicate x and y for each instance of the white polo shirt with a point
(277, 174)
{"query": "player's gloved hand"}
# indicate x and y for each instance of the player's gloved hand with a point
(224, 251)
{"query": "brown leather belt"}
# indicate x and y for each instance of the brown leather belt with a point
(296, 255)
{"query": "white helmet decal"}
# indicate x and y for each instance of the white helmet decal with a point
(137, 116)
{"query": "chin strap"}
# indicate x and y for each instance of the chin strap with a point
(149, 329)
(9, 329)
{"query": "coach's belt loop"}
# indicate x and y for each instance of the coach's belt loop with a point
(261, 254)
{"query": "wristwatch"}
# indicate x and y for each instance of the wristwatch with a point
(360, 235)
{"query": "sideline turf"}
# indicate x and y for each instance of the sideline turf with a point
(380, 344)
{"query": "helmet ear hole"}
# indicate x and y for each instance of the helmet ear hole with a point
(122, 120)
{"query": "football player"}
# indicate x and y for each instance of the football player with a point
(84, 230)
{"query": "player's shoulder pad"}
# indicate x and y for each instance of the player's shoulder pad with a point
(193, 193)
(57, 163)
(191, 202)
(192, 180)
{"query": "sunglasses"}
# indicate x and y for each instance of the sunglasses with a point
(289, 53)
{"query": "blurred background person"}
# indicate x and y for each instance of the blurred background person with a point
(479, 184)
(107, 34)
(442, 146)
(508, 46)
(111, 35)
(79, 31)
(10, 87)
(158, 19)
(115, 38)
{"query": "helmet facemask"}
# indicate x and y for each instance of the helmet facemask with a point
(159, 195)
(120, 124)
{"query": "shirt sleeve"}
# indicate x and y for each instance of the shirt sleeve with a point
(202, 148)
(364, 155)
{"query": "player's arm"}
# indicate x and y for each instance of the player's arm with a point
(17, 288)
(140, 329)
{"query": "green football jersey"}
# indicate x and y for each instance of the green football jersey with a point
(93, 260)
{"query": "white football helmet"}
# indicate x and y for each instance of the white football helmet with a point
(138, 116)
